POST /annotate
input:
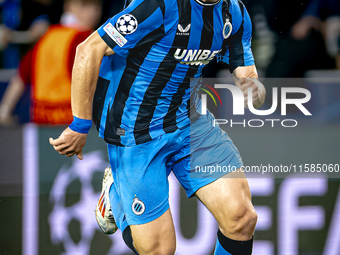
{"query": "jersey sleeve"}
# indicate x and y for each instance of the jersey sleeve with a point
(140, 23)
(236, 49)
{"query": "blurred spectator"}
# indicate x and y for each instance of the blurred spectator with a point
(262, 42)
(47, 67)
(111, 8)
(302, 41)
(23, 23)
(316, 12)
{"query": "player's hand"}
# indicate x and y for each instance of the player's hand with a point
(69, 143)
(257, 91)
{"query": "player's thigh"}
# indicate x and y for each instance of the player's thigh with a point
(229, 200)
(155, 237)
(140, 179)
(207, 154)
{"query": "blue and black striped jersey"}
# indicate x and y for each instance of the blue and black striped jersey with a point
(161, 46)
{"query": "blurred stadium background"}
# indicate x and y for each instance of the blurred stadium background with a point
(47, 201)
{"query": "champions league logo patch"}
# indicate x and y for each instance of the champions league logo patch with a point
(126, 24)
(228, 27)
(115, 35)
(138, 206)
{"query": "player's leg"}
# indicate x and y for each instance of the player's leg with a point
(110, 217)
(229, 200)
(140, 181)
(155, 237)
(210, 155)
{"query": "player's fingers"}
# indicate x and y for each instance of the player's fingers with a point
(66, 150)
(245, 93)
(255, 94)
(249, 79)
(80, 154)
(255, 87)
(242, 81)
(62, 152)
(246, 102)
(61, 147)
(56, 148)
(70, 153)
(51, 140)
(246, 87)
(254, 101)
(240, 85)
(55, 142)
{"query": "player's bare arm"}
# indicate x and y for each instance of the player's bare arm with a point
(85, 74)
(84, 79)
(246, 77)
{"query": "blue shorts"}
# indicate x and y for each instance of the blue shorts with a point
(198, 155)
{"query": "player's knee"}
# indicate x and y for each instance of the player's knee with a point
(168, 249)
(240, 221)
(157, 247)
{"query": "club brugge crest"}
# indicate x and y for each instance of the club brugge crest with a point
(137, 206)
(228, 27)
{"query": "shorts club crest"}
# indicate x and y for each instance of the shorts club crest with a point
(138, 207)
